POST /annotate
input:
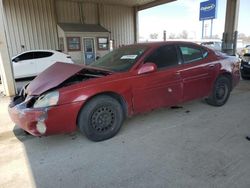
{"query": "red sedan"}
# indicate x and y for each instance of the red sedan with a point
(130, 80)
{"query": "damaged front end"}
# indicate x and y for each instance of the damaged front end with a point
(36, 108)
(19, 98)
(42, 115)
(84, 75)
(62, 74)
(22, 113)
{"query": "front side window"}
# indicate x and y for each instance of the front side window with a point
(121, 59)
(25, 56)
(165, 56)
(191, 53)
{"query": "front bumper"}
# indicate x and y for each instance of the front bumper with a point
(57, 119)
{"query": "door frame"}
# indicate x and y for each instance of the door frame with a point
(83, 49)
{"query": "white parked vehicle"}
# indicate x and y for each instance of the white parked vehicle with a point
(31, 63)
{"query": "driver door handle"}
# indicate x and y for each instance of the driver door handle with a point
(178, 73)
(211, 66)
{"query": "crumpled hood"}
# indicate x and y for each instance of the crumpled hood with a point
(52, 77)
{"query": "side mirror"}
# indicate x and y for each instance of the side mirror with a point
(147, 68)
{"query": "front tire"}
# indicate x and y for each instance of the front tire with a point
(101, 118)
(221, 92)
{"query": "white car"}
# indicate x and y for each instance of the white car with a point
(31, 63)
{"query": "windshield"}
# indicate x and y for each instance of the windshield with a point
(121, 59)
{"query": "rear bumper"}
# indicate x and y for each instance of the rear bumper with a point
(57, 119)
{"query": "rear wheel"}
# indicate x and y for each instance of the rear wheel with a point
(221, 92)
(101, 118)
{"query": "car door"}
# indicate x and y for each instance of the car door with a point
(23, 65)
(196, 73)
(43, 59)
(160, 88)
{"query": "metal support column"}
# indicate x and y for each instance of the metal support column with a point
(229, 41)
(211, 29)
(136, 25)
(5, 62)
(202, 34)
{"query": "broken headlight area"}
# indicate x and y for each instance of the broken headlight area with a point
(47, 100)
(20, 97)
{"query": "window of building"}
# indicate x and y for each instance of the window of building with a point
(165, 56)
(74, 43)
(102, 43)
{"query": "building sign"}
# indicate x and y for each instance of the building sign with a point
(208, 10)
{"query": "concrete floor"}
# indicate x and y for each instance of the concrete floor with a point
(194, 146)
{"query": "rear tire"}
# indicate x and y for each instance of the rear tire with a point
(101, 118)
(221, 92)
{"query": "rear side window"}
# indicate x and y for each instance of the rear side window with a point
(192, 53)
(165, 56)
(38, 55)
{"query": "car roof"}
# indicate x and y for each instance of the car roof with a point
(158, 44)
(52, 51)
(39, 51)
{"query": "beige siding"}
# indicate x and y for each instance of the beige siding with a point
(119, 20)
(68, 11)
(90, 15)
(30, 23)
(76, 12)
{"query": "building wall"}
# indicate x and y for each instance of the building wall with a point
(90, 13)
(67, 11)
(119, 20)
(31, 24)
(78, 56)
